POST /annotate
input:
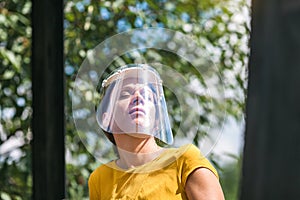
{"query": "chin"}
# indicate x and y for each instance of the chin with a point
(140, 135)
(141, 124)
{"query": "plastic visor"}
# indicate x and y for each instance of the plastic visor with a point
(133, 103)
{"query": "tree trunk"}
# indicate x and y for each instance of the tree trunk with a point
(271, 166)
(48, 100)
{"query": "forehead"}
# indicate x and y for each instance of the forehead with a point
(135, 82)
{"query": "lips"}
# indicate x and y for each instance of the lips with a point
(137, 111)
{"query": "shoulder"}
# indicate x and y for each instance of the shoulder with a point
(100, 173)
(191, 149)
(190, 152)
(97, 179)
(94, 182)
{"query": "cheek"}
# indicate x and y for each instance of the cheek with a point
(121, 114)
(152, 112)
(121, 107)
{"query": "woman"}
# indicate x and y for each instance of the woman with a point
(134, 117)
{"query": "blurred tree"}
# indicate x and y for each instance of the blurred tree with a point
(219, 27)
(15, 100)
(230, 178)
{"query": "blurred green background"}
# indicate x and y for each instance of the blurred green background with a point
(220, 27)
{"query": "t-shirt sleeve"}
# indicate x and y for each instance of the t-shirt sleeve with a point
(93, 193)
(191, 160)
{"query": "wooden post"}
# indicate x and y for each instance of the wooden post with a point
(271, 165)
(48, 100)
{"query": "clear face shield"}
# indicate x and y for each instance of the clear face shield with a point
(133, 103)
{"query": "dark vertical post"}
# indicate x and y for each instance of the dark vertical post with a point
(272, 142)
(48, 100)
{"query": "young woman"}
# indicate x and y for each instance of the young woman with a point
(133, 115)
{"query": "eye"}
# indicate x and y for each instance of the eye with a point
(124, 94)
(148, 95)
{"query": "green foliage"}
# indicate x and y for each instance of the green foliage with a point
(15, 100)
(231, 176)
(219, 27)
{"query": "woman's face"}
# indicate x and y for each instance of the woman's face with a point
(134, 110)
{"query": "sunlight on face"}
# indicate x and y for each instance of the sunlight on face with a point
(135, 108)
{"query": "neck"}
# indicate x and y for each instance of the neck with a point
(135, 151)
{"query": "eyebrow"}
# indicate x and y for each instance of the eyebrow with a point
(127, 88)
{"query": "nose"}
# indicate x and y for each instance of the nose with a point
(137, 98)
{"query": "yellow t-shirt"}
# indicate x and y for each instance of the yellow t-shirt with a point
(162, 178)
